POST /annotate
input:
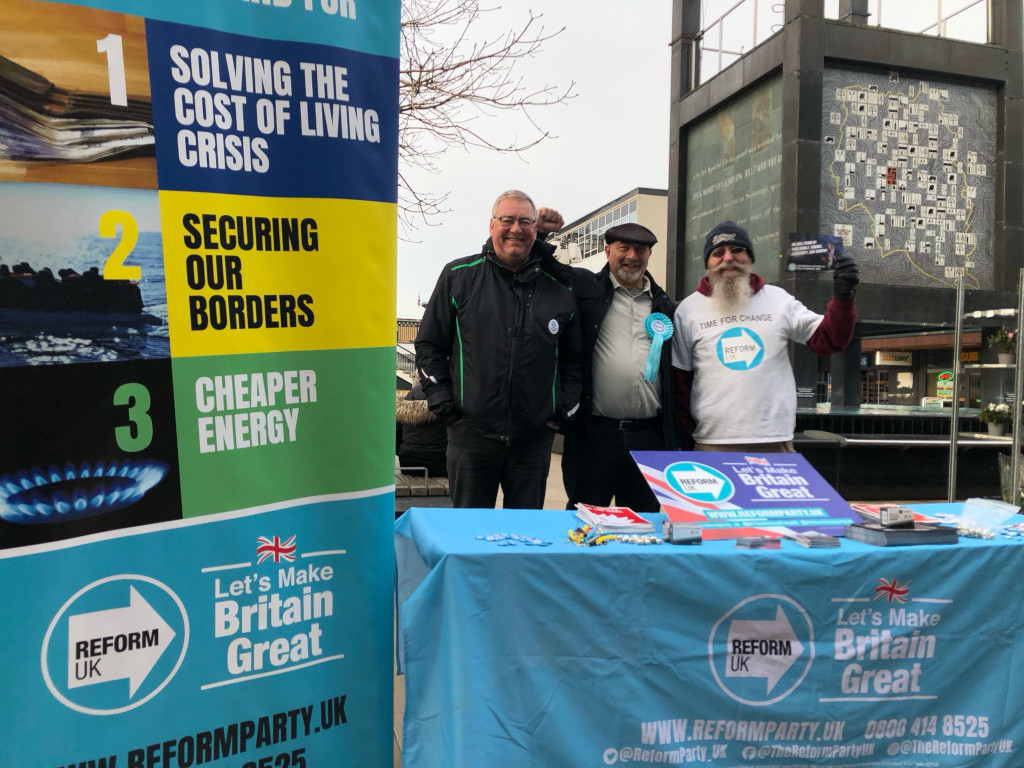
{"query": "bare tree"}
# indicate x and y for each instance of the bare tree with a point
(451, 84)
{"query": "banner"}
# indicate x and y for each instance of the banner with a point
(197, 270)
(738, 494)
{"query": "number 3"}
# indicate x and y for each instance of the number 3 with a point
(136, 397)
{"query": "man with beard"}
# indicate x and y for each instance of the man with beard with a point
(627, 404)
(734, 381)
(498, 352)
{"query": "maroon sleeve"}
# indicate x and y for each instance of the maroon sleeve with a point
(685, 423)
(836, 328)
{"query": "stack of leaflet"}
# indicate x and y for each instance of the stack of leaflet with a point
(815, 540)
(918, 533)
(613, 519)
(41, 122)
(758, 542)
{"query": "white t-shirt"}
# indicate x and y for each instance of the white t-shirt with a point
(743, 385)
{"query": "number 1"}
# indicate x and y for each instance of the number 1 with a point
(111, 45)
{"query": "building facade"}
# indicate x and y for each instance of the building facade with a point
(908, 146)
(581, 242)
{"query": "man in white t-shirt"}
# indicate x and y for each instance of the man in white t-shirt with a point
(735, 388)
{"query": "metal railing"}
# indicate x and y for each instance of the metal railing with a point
(747, 23)
(405, 361)
(407, 330)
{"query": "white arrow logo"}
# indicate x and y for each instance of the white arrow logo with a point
(698, 481)
(116, 644)
(743, 348)
(762, 649)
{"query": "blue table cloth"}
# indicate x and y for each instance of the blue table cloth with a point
(644, 655)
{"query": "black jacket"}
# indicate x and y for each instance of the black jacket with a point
(501, 348)
(423, 440)
(594, 293)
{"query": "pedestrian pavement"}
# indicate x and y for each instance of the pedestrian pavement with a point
(555, 496)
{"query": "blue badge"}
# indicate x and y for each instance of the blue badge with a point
(660, 329)
(740, 349)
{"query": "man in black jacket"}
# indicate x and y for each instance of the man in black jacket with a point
(627, 388)
(498, 352)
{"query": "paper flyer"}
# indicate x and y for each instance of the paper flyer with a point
(809, 252)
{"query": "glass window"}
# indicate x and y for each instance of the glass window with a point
(632, 205)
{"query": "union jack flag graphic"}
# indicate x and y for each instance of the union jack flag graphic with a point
(756, 460)
(892, 591)
(275, 548)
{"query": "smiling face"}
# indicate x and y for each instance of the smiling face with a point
(729, 260)
(628, 262)
(512, 245)
(729, 268)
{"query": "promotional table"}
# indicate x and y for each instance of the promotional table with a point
(624, 654)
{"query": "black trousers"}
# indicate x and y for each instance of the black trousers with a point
(597, 466)
(478, 465)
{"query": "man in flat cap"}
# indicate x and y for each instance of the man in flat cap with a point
(498, 352)
(730, 352)
(627, 400)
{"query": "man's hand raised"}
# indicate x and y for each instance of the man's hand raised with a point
(845, 278)
(549, 220)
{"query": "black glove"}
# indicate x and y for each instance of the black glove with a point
(447, 414)
(845, 278)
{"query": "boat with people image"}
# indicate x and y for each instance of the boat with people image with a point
(22, 288)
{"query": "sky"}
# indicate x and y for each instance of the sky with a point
(611, 138)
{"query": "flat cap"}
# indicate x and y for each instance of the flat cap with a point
(630, 233)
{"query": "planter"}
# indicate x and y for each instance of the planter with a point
(1005, 358)
(996, 430)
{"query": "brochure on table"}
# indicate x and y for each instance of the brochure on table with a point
(740, 494)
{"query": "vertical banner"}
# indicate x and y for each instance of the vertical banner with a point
(197, 270)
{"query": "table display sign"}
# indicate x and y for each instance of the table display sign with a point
(739, 494)
(195, 482)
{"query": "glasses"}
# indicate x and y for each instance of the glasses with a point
(509, 221)
(735, 250)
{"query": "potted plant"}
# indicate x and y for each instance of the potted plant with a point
(1005, 343)
(996, 417)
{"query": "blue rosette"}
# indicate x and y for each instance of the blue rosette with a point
(659, 328)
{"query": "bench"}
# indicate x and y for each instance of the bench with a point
(420, 490)
(415, 485)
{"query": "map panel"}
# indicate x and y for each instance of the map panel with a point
(734, 162)
(908, 176)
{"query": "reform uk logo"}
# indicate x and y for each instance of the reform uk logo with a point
(740, 349)
(699, 482)
(762, 649)
(114, 644)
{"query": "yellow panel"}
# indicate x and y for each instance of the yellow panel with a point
(258, 274)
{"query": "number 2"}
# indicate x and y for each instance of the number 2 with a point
(115, 268)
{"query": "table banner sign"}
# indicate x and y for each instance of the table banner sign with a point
(711, 655)
(196, 486)
(739, 494)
